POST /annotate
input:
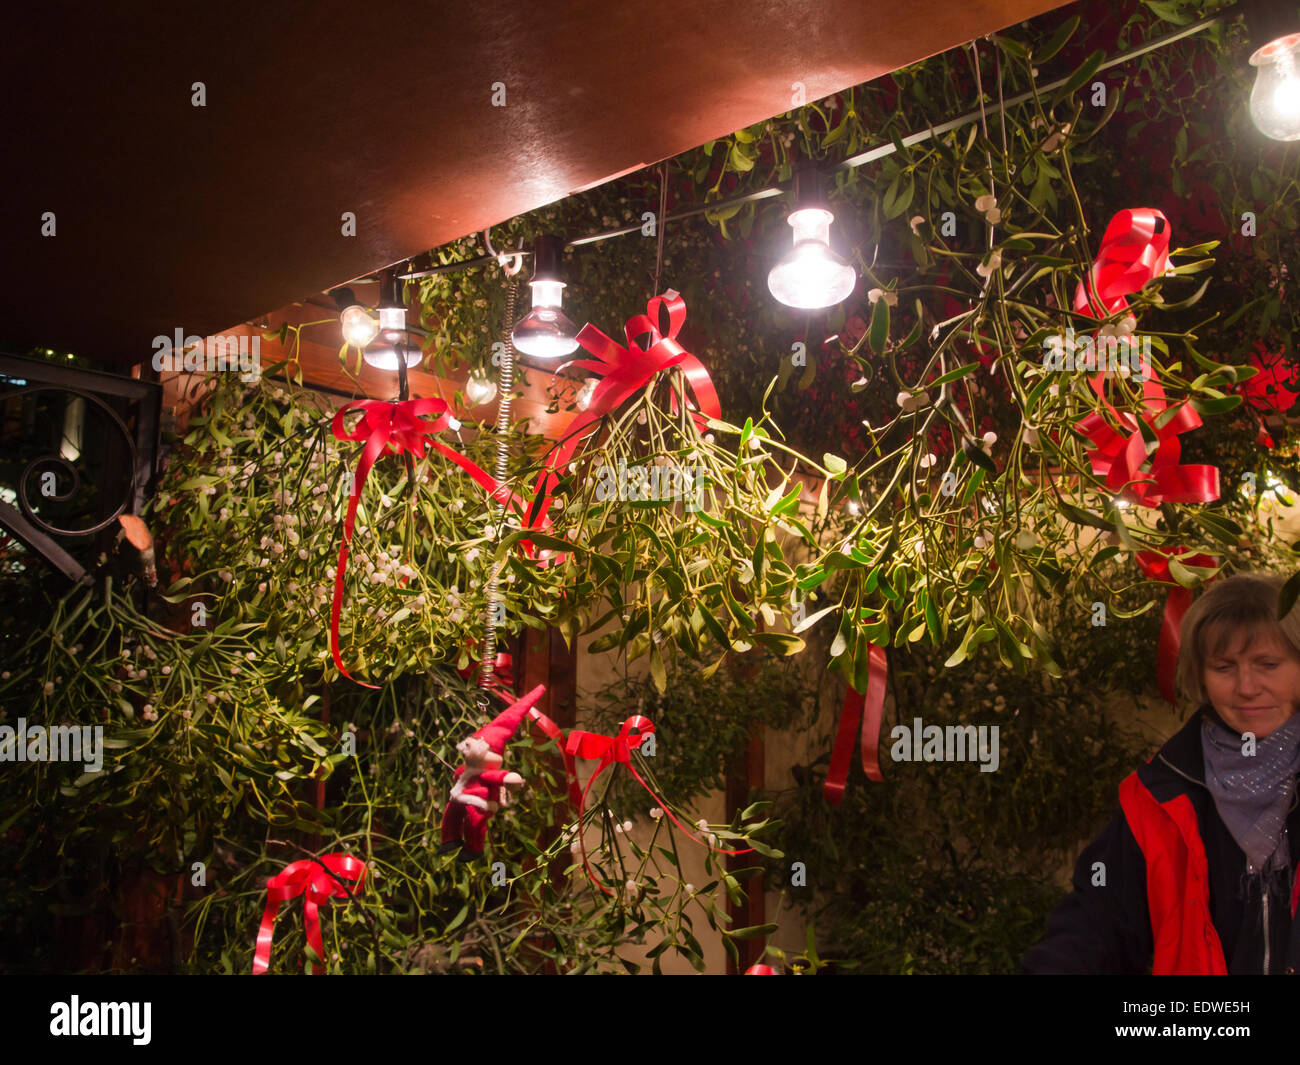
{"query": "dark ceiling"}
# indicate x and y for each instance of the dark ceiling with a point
(170, 215)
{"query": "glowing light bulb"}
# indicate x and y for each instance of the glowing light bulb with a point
(546, 332)
(359, 329)
(811, 276)
(480, 389)
(1275, 99)
(383, 355)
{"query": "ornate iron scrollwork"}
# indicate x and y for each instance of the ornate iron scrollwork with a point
(41, 502)
(55, 459)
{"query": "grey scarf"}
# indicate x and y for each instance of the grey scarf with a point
(1252, 792)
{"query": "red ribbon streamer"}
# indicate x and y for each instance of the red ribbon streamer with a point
(1135, 250)
(396, 429)
(312, 880)
(856, 707)
(1156, 566)
(624, 371)
(546, 725)
(609, 750)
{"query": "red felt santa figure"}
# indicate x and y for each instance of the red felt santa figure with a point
(478, 791)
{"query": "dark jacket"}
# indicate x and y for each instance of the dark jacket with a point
(1107, 929)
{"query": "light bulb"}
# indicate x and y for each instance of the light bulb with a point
(382, 355)
(480, 389)
(359, 329)
(1275, 99)
(811, 276)
(545, 332)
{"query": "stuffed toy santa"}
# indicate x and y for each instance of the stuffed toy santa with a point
(478, 791)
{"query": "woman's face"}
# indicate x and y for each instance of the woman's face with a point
(1254, 685)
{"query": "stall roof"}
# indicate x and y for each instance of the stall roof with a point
(168, 215)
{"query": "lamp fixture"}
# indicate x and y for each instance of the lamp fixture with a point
(545, 332)
(811, 276)
(1275, 39)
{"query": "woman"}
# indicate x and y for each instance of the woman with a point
(1196, 872)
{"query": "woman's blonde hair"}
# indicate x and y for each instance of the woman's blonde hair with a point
(1242, 605)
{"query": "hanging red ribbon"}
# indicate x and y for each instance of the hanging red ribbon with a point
(1156, 566)
(607, 751)
(866, 711)
(312, 880)
(1135, 250)
(395, 429)
(624, 371)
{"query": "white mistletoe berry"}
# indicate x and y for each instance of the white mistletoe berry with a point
(991, 267)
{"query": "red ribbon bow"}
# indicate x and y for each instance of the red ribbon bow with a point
(1156, 566)
(1135, 250)
(624, 371)
(396, 429)
(857, 706)
(609, 750)
(1119, 457)
(311, 879)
